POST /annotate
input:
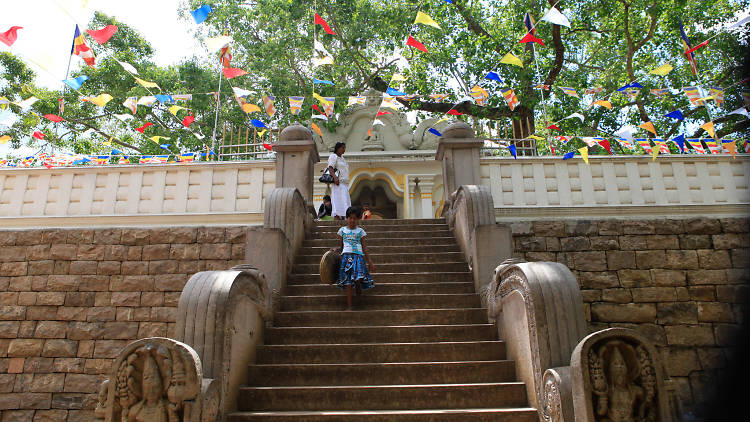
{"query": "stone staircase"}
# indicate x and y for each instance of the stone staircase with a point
(417, 347)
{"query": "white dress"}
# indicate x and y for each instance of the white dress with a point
(340, 199)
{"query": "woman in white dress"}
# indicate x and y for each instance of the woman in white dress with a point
(339, 168)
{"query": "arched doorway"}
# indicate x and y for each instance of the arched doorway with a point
(381, 190)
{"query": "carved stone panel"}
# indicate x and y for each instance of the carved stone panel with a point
(617, 378)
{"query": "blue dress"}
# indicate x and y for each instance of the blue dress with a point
(353, 266)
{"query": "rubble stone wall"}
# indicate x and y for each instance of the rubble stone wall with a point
(71, 299)
(681, 282)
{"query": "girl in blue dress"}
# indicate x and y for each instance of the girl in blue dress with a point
(353, 270)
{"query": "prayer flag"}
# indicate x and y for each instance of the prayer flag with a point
(201, 14)
(625, 143)
(426, 20)
(225, 56)
(143, 128)
(241, 92)
(316, 108)
(632, 93)
(81, 50)
(389, 102)
(553, 126)
(711, 144)
(324, 24)
(554, 16)
(147, 101)
(662, 70)
(322, 81)
(709, 127)
(123, 117)
(398, 77)
(531, 38)
(453, 112)
(358, 100)
(147, 84)
(680, 142)
(157, 139)
(53, 117)
(411, 42)
(693, 49)
(164, 98)
(579, 116)
(434, 132)
(644, 144)
(295, 104)
(630, 85)
(512, 149)
(128, 67)
(438, 97)
(659, 91)
(730, 146)
(584, 154)
(589, 140)
(511, 59)
(686, 43)
(596, 90)
(101, 100)
(510, 98)
(605, 144)
(718, 94)
(76, 83)
(10, 36)
(102, 35)
(697, 145)
(677, 114)
(257, 123)
(741, 111)
(569, 155)
(528, 22)
(394, 92)
(570, 91)
(217, 43)
(27, 102)
(693, 95)
(268, 105)
(187, 157)
(232, 72)
(542, 86)
(320, 61)
(4, 139)
(603, 103)
(328, 105)
(182, 97)
(479, 94)
(648, 126)
(382, 113)
(188, 120)
(38, 135)
(175, 108)
(563, 139)
(663, 148)
(316, 129)
(267, 146)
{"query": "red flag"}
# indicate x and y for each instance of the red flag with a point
(324, 24)
(553, 126)
(703, 44)
(267, 146)
(530, 38)
(102, 35)
(454, 113)
(605, 144)
(233, 72)
(411, 42)
(142, 128)
(38, 135)
(383, 113)
(316, 108)
(188, 120)
(53, 117)
(10, 36)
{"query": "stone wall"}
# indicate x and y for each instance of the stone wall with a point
(683, 283)
(71, 299)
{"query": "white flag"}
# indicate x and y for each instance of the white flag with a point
(741, 111)
(127, 66)
(123, 117)
(239, 92)
(554, 16)
(741, 22)
(625, 133)
(217, 43)
(576, 115)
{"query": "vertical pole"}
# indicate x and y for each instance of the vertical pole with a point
(216, 116)
(541, 91)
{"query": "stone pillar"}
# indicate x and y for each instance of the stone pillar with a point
(425, 188)
(296, 155)
(459, 151)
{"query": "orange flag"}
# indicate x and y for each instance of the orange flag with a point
(709, 127)
(317, 129)
(648, 126)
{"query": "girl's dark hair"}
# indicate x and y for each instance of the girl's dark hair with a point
(326, 197)
(337, 146)
(354, 210)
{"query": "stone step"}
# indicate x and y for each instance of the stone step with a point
(521, 414)
(381, 352)
(334, 241)
(389, 228)
(387, 222)
(320, 250)
(384, 288)
(390, 397)
(380, 317)
(382, 373)
(370, 300)
(379, 334)
(385, 278)
(419, 267)
(395, 258)
(410, 234)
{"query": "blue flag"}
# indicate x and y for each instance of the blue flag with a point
(434, 131)
(677, 114)
(164, 98)
(395, 93)
(322, 81)
(631, 85)
(495, 77)
(76, 83)
(257, 123)
(165, 146)
(569, 155)
(680, 142)
(512, 149)
(115, 151)
(200, 14)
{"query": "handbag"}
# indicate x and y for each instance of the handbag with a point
(326, 177)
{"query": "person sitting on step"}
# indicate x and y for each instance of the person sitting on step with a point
(353, 271)
(324, 212)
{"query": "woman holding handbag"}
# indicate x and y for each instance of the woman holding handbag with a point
(339, 169)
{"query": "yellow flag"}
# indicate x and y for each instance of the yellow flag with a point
(321, 99)
(316, 129)
(604, 103)
(584, 154)
(511, 59)
(158, 138)
(398, 77)
(249, 108)
(709, 127)
(536, 137)
(101, 100)
(107, 142)
(425, 19)
(175, 108)
(655, 151)
(262, 132)
(4, 139)
(662, 70)
(648, 126)
(147, 84)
